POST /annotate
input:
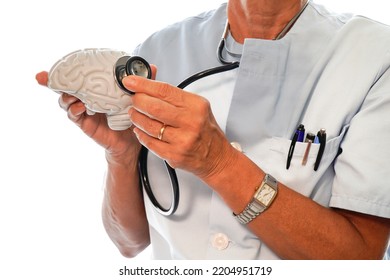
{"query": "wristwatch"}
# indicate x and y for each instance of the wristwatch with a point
(262, 199)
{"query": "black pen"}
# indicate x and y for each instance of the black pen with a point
(298, 136)
(322, 139)
(291, 150)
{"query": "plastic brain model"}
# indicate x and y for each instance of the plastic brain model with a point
(89, 75)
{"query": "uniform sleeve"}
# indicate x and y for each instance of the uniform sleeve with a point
(362, 181)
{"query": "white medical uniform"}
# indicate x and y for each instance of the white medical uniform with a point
(330, 71)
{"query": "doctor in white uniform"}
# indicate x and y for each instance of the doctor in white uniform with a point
(299, 64)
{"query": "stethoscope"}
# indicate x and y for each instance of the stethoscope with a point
(136, 65)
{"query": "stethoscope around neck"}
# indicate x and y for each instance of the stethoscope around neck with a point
(136, 65)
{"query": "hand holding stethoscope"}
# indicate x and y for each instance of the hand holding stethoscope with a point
(176, 108)
(195, 143)
(176, 125)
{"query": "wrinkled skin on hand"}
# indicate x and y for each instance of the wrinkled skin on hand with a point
(192, 139)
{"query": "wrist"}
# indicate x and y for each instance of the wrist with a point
(263, 197)
(236, 180)
(128, 157)
(219, 164)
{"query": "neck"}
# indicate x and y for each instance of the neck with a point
(261, 19)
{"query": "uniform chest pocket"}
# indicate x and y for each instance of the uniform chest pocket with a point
(301, 174)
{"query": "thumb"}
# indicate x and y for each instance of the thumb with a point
(42, 78)
(154, 71)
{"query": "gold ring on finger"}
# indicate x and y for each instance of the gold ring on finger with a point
(161, 133)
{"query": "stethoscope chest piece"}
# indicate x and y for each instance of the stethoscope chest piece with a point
(131, 65)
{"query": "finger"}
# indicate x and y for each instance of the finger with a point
(154, 71)
(157, 89)
(42, 78)
(66, 100)
(149, 126)
(159, 147)
(76, 112)
(157, 109)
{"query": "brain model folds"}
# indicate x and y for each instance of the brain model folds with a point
(89, 75)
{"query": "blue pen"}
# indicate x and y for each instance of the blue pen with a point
(301, 133)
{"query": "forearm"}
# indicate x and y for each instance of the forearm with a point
(303, 229)
(123, 210)
(296, 227)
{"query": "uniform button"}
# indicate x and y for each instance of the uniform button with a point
(220, 241)
(237, 146)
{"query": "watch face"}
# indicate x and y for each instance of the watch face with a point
(266, 194)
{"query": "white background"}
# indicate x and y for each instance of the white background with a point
(51, 175)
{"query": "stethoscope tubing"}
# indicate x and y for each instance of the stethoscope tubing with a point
(122, 68)
(144, 177)
(143, 158)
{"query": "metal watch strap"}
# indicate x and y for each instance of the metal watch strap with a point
(254, 207)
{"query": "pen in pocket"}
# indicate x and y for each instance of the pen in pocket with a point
(309, 140)
(298, 137)
(321, 135)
